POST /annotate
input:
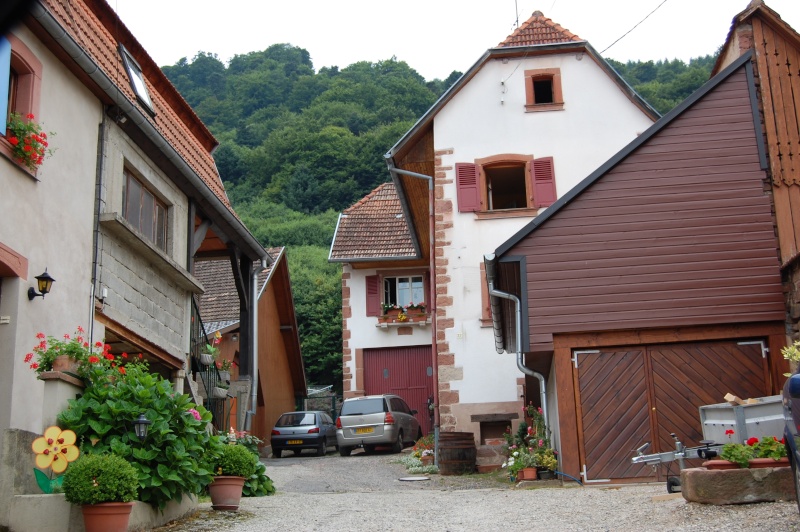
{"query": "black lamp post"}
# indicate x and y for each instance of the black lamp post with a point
(141, 426)
(44, 282)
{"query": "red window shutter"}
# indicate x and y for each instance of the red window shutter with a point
(544, 182)
(469, 198)
(373, 296)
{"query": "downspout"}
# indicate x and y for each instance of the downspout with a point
(432, 299)
(254, 364)
(491, 271)
(98, 206)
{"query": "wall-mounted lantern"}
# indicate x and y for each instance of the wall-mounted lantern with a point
(45, 283)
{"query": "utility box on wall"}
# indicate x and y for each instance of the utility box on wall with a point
(764, 417)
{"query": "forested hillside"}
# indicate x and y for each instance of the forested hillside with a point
(297, 146)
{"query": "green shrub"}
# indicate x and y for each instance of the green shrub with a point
(258, 484)
(235, 460)
(173, 458)
(96, 478)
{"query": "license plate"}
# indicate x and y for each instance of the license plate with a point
(365, 430)
(295, 442)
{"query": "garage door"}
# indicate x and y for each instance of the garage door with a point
(403, 371)
(638, 394)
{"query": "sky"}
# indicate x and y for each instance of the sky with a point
(435, 37)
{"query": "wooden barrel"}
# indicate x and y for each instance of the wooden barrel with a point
(457, 453)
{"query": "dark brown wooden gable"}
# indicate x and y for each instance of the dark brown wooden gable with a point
(678, 233)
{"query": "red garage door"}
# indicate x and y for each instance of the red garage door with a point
(403, 371)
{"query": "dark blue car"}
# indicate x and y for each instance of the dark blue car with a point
(791, 414)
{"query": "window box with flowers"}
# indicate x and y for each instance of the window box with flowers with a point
(769, 451)
(403, 315)
(29, 143)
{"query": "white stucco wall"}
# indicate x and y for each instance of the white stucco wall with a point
(49, 220)
(597, 120)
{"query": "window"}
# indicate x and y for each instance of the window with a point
(20, 80)
(543, 90)
(397, 289)
(144, 211)
(505, 182)
(137, 79)
(403, 290)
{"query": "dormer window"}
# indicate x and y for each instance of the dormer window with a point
(543, 90)
(137, 79)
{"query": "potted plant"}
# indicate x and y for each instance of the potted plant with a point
(792, 354)
(233, 466)
(547, 462)
(224, 368)
(28, 141)
(766, 452)
(65, 354)
(210, 350)
(220, 391)
(105, 485)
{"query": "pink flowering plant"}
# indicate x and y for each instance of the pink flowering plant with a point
(29, 144)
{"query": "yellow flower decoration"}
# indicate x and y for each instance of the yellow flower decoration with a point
(55, 449)
(402, 316)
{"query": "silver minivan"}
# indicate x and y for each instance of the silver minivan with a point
(376, 420)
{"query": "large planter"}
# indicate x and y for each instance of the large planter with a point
(65, 364)
(226, 492)
(720, 464)
(758, 463)
(545, 474)
(107, 516)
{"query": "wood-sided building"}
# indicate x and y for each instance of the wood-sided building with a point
(776, 47)
(653, 287)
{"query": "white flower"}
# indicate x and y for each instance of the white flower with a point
(516, 453)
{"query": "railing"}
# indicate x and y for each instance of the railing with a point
(209, 375)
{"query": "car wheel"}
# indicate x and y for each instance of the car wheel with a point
(323, 447)
(276, 453)
(398, 445)
(345, 451)
(796, 471)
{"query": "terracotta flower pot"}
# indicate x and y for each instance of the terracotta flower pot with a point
(226, 492)
(107, 516)
(757, 463)
(426, 460)
(65, 363)
(528, 473)
(720, 464)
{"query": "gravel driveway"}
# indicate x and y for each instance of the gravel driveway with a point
(363, 492)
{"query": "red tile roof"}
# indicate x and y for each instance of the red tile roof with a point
(373, 228)
(220, 302)
(538, 30)
(98, 30)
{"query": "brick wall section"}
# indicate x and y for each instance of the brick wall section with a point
(347, 355)
(443, 216)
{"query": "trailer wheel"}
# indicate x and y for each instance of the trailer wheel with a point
(673, 485)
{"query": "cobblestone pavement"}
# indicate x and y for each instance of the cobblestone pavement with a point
(367, 493)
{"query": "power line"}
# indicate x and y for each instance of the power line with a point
(633, 28)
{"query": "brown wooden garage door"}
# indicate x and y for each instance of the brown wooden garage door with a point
(628, 394)
(403, 371)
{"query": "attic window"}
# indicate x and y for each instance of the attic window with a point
(137, 79)
(543, 90)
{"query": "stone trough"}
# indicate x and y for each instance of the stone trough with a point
(737, 486)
